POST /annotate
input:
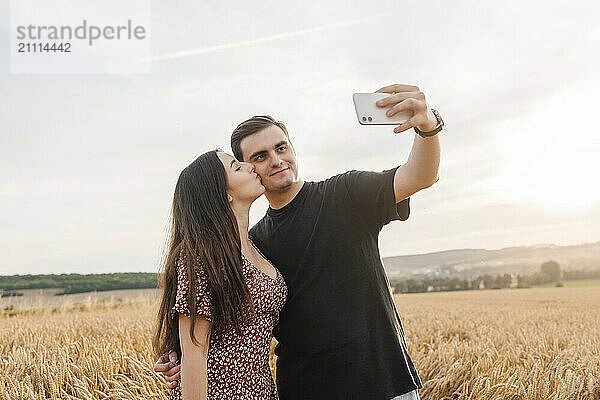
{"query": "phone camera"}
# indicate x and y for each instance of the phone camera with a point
(370, 119)
(364, 119)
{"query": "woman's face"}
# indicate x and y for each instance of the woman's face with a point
(243, 184)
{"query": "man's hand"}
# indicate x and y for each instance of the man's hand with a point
(170, 368)
(408, 97)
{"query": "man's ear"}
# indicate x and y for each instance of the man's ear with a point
(229, 198)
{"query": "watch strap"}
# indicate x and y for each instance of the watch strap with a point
(435, 131)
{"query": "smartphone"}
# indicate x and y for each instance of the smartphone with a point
(368, 113)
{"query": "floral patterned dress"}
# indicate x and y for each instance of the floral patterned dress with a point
(237, 366)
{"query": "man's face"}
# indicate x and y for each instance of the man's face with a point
(273, 158)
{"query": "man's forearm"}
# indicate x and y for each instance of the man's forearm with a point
(424, 160)
(422, 167)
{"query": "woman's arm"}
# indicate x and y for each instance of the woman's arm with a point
(194, 381)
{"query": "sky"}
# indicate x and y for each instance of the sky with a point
(89, 162)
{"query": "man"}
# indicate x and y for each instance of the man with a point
(339, 334)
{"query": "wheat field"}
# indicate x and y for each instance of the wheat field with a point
(495, 344)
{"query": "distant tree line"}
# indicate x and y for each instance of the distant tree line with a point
(549, 272)
(80, 283)
(581, 274)
(446, 284)
(12, 294)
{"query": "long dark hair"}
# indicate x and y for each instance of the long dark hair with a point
(204, 231)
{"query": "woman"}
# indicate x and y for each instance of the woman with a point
(214, 273)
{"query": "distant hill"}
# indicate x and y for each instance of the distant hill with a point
(474, 262)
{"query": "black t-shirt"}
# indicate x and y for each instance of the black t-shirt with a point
(339, 334)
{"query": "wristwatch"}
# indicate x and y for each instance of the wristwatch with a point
(440, 125)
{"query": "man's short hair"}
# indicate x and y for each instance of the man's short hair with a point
(250, 127)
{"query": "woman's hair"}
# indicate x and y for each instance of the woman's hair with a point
(204, 229)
